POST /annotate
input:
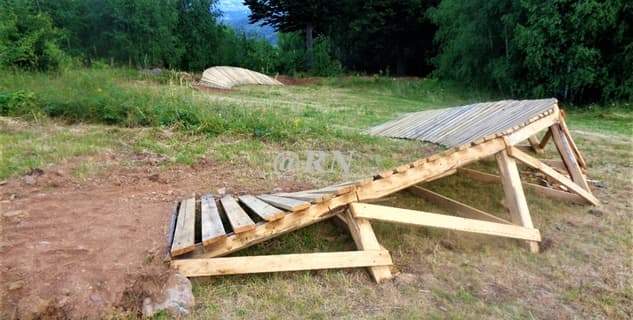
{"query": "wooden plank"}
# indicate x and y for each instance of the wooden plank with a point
(514, 195)
(184, 235)
(284, 203)
(574, 147)
(568, 157)
(459, 208)
(265, 231)
(534, 127)
(261, 208)
(238, 218)
(283, 262)
(306, 196)
(541, 190)
(441, 165)
(365, 239)
(548, 171)
(171, 230)
(336, 190)
(534, 143)
(212, 228)
(420, 218)
(545, 139)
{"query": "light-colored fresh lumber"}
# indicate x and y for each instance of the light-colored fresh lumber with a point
(429, 170)
(534, 127)
(574, 147)
(261, 208)
(567, 154)
(548, 171)
(210, 221)
(534, 143)
(420, 218)
(545, 139)
(514, 196)
(459, 208)
(283, 262)
(184, 235)
(238, 218)
(365, 239)
(285, 203)
(306, 196)
(542, 190)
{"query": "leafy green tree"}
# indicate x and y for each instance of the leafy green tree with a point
(28, 39)
(311, 17)
(530, 48)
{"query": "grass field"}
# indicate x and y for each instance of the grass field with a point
(584, 272)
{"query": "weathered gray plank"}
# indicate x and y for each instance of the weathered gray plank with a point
(284, 203)
(184, 235)
(211, 224)
(261, 208)
(238, 218)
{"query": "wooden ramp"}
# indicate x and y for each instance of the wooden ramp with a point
(207, 227)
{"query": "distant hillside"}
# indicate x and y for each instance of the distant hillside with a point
(235, 15)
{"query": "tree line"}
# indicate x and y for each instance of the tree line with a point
(577, 50)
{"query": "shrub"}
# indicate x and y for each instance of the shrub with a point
(28, 39)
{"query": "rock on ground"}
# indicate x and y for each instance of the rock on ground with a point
(178, 298)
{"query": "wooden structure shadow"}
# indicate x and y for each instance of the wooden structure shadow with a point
(205, 230)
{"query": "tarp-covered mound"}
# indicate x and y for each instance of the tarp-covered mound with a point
(228, 77)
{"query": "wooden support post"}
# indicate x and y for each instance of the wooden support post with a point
(545, 139)
(579, 157)
(365, 239)
(567, 154)
(534, 143)
(514, 195)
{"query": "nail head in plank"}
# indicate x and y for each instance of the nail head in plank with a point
(184, 235)
(211, 223)
(284, 203)
(239, 220)
(261, 208)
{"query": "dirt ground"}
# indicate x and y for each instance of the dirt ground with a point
(79, 248)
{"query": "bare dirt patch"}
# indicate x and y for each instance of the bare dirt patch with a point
(77, 248)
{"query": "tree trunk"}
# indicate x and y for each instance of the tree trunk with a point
(309, 46)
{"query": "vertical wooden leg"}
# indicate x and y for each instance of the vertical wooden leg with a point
(514, 195)
(533, 140)
(365, 239)
(567, 154)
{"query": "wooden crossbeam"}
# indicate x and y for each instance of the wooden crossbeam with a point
(542, 190)
(459, 208)
(548, 171)
(514, 195)
(284, 262)
(420, 218)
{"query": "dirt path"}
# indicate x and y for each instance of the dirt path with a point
(80, 249)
